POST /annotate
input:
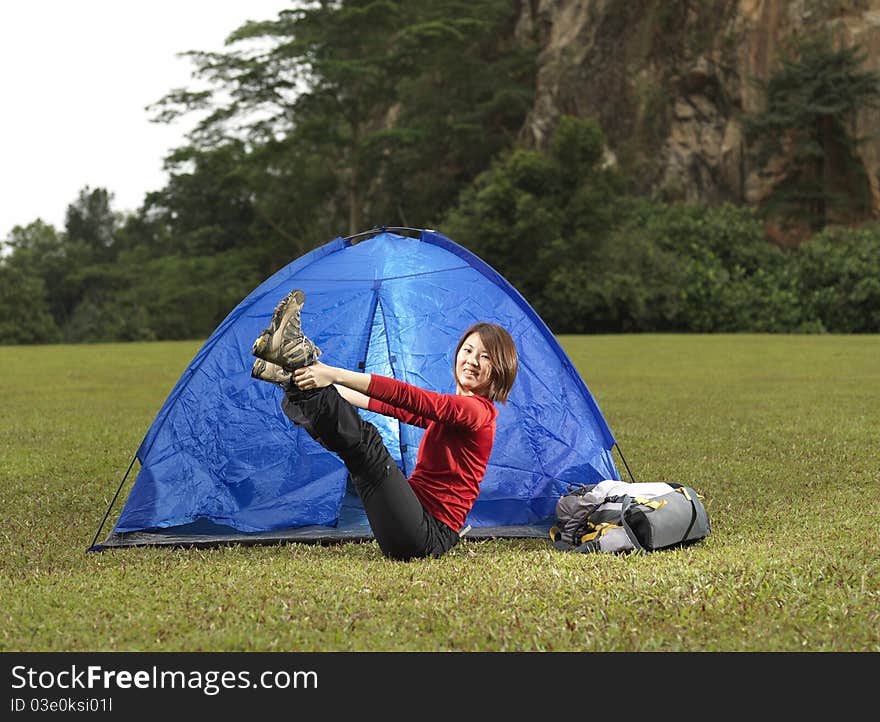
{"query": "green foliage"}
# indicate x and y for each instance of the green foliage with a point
(207, 204)
(811, 105)
(103, 313)
(60, 260)
(676, 267)
(631, 285)
(533, 215)
(38, 251)
(90, 224)
(777, 432)
(838, 279)
(24, 309)
(403, 102)
(727, 274)
(461, 103)
(590, 260)
(186, 295)
(61, 287)
(734, 280)
(170, 297)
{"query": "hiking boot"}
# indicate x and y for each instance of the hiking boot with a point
(286, 345)
(272, 373)
(263, 339)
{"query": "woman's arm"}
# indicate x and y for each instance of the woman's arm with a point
(355, 398)
(353, 387)
(318, 375)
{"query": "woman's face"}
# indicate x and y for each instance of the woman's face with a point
(473, 369)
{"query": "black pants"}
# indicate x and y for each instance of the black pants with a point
(400, 524)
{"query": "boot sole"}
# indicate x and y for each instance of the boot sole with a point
(262, 341)
(281, 347)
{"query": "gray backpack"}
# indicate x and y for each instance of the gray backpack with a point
(616, 516)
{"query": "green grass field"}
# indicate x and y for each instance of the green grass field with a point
(779, 433)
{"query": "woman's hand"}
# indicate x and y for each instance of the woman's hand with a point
(314, 376)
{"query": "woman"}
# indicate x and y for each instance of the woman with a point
(420, 516)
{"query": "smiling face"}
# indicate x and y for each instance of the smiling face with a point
(473, 367)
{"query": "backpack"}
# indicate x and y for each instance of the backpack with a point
(616, 516)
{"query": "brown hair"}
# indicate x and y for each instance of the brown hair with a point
(502, 354)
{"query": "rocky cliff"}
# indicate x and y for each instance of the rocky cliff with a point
(669, 81)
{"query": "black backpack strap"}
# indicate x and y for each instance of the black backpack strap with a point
(687, 495)
(625, 503)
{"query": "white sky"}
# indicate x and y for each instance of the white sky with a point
(75, 78)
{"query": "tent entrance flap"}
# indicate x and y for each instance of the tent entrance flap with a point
(378, 360)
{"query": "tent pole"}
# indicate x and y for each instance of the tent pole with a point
(99, 547)
(617, 446)
(382, 229)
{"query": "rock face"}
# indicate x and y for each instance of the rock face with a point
(669, 82)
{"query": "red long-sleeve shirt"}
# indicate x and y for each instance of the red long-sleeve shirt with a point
(455, 448)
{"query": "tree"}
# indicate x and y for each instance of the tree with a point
(207, 204)
(24, 310)
(536, 216)
(838, 279)
(91, 225)
(397, 99)
(812, 101)
(39, 251)
(89, 246)
(324, 72)
(460, 105)
(70, 264)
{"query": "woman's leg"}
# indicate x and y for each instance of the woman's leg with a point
(401, 525)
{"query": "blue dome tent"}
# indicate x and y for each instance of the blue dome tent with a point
(221, 463)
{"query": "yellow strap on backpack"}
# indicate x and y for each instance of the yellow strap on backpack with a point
(687, 496)
(651, 503)
(599, 530)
